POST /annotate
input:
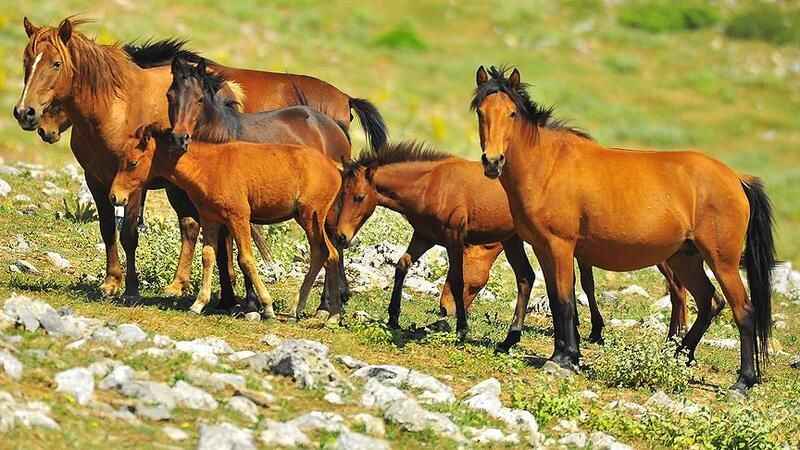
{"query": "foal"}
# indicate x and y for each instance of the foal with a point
(449, 202)
(198, 111)
(569, 200)
(262, 183)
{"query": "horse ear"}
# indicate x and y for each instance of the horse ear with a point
(30, 28)
(481, 76)
(514, 79)
(65, 30)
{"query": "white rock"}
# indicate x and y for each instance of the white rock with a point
(602, 441)
(349, 440)
(77, 382)
(118, 377)
(243, 406)
(279, 434)
(350, 362)
(575, 439)
(175, 434)
(191, 397)
(623, 323)
(225, 436)
(589, 395)
(635, 290)
(664, 303)
(317, 420)
(408, 414)
(305, 361)
(162, 341)
(271, 340)
(11, 365)
(26, 267)
(726, 344)
(215, 381)
(334, 398)
(9, 170)
(130, 333)
(205, 349)
(5, 188)
(19, 244)
(377, 394)
(434, 391)
(633, 407)
(241, 355)
(491, 436)
(150, 393)
(489, 386)
(372, 425)
(58, 261)
(663, 401)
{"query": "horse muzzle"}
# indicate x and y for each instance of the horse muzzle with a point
(51, 137)
(342, 240)
(493, 167)
(180, 141)
(27, 117)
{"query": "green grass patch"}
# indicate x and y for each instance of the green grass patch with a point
(766, 22)
(667, 16)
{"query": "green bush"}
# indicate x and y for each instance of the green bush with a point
(767, 23)
(402, 37)
(665, 16)
(646, 361)
(544, 405)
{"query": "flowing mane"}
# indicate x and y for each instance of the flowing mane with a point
(406, 151)
(161, 53)
(535, 114)
(96, 66)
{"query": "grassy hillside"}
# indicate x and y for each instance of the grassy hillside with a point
(658, 77)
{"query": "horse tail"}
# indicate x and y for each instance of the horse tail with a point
(372, 122)
(261, 243)
(759, 260)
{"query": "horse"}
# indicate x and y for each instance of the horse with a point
(196, 111)
(104, 94)
(263, 183)
(623, 210)
(449, 202)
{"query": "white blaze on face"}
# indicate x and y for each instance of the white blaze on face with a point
(30, 77)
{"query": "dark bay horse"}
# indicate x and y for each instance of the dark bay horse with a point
(197, 111)
(449, 202)
(623, 210)
(262, 183)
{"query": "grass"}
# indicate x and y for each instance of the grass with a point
(736, 99)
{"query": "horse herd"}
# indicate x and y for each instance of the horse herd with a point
(235, 147)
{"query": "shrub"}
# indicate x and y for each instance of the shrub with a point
(401, 37)
(646, 361)
(665, 16)
(544, 405)
(767, 23)
(78, 211)
(158, 252)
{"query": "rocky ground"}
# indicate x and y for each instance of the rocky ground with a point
(77, 370)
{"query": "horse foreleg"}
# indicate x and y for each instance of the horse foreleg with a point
(559, 269)
(317, 250)
(210, 243)
(478, 261)
(105, 213)
(515, 254)
(227, 275)
(587, 284)
(129, 235)
(190, 229)
(455, 276)
(416, 248)
(240, 229)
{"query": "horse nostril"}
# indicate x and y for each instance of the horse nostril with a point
(484, 159)
(15, 112)
(501, 159)
(30, 112)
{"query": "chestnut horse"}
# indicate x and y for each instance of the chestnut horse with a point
(262, 183)
(197, 111)
(449, 202)
(104, 94)
(623, 210)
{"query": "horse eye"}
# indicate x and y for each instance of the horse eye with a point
(57, 65)
(513, 114)
(132, 164)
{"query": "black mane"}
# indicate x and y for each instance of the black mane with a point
(160, 53)
(406, 151)
(536, 114)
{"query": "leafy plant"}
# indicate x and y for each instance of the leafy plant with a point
(402, 37)
(78, 211)
(666, 16)
(767, 23)
(646, 361)
(544, 405)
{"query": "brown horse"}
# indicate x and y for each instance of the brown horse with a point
(198, 111)
(449, 202)
(105, 94)
(624, 210)
(262, 183)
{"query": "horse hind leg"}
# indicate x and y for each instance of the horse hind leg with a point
(129, 236)
(210, 243)
(525, 276)
(687, 266)
(105, 213)
(317, 250)
(677, 296)
(190, 230)
(587, 284)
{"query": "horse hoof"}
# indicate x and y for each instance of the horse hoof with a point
(594, 339)
(197, 309)
(252, 316)
(174, 289)
(110, 288)
(268, 313)
(462, 335)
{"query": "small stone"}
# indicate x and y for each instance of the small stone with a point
(434, 391)
(155, 352)
(26, 267)
(260, 398)
(411, 416)
(5, 188)
(372, 425)
(489, 386)
(602, 441)
(58, 261)
(379, 395)
(175, 434)
(150, 393)
(279, 434)
(725, 344)
(242, 355)
(225, 436)
(491, 436)
(11, 365)
(118, 377)
(153, 412)
(575, 439)
(271, 340)
(317, 420)
(635, 290)
(662, 400)
(77, 382)
(664, 303)
(305, 361)
(552, 368)
(334, 398)
(20, 245)
(590, 396)
(350, 362)
(162, 341)
(349, 440)
(244, 406)
(191, 397)
(130, 333)
(215, 381)
(635, 408)
(252, 316)
(623, 323)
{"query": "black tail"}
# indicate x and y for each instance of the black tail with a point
(371, 121)
(759, 260)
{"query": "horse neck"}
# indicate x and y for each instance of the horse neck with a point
(218, 123)
(530, 160)
(401, 186)
(92, 103)
(187, 171)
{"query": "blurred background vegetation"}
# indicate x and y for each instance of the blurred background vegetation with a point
(721, 76)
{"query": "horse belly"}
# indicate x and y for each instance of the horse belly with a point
(623, 257)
